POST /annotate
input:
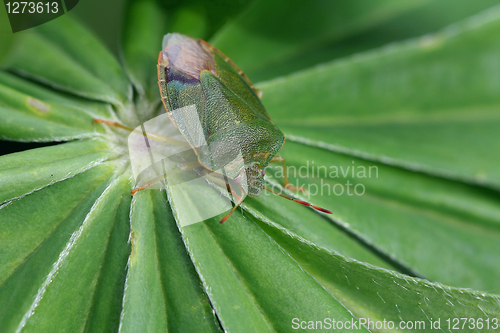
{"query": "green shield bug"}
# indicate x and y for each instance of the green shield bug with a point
(230, 128)
(229, 110)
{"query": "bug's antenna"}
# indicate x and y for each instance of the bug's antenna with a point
(300, 202)
(236, 204)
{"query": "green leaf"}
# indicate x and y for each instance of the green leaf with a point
(422, 105)
(407, 217)
(163, 291)
(6, 35)
(273, 31)
(421, 20)
(35, 230)
(201, 19)
(314, 227)
(380, 295)
(78, 254)
(144, 29)
(25, 172)
(190, 21)
(53, 55)
(27, 118)
(100, 63)
(42, 93)
(74, 289)
(245, 298)
(5, 45)
(418, 19)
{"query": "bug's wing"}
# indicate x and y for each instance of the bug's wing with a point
(255, 141)
(234, 130)
(235, 80)
(191, 57)
(194, 73)
(179, 66)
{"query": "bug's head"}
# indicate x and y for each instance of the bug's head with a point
(254, 179)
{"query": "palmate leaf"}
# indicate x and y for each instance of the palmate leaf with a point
(77, 253)
(281, 36)
(464, 220)
(277, 30)
(437, 95)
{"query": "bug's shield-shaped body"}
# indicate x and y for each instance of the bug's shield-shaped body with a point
(233, 130)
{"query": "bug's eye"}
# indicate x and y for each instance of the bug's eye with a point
(263, 172)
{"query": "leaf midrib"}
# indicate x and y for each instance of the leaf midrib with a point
(437, 117)
(242, 282)
(56, 226)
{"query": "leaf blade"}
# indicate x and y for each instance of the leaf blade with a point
(382, 295)
(28, 171)
(243, 297)
(399, 97)
(74, 274)
(51, 215)
(163, 291)
(256, 33)
(407, 217)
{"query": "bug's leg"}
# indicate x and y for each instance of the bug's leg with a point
(149, 183)
(224, 219)
(113, 123)
(289, 186)
(236, 204)
(155, 180)
(224, 183)
(149, 135)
